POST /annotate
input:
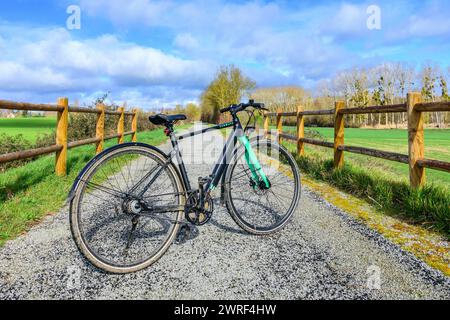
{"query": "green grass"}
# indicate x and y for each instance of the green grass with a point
(30, 127)
(429, 206)
(32, 191)
(437, 146)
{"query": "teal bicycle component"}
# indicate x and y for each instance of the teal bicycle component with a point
(253, 163)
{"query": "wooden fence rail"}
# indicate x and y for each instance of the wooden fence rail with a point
(415, 158)
(62, 145)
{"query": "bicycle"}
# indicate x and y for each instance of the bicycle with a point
(128, 203)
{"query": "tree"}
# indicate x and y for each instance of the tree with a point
(353, 85)
(287, 98)
(388, 73)
(444, 97)
(178, 109)
(429, 78)
(444, 88)
(360, 97)
(228, 87)
(404, 82)
(193, 112)
(378, 96)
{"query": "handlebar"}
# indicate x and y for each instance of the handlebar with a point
(243, 106)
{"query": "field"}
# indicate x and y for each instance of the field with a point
(384, 184)
(437, 146)
(30, 128)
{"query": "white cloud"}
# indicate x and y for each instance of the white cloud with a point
(345, 20)
(266, 34)
(107, 56)
(15, 76)
(274, 42)
(52, 61)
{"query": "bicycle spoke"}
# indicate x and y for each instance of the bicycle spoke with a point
(106, 220)
(257, 208)
(109, 191)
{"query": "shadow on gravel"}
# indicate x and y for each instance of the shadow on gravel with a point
(221, 226)
(187, 232)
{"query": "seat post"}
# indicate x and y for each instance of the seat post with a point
(178, 156)
(169, 129)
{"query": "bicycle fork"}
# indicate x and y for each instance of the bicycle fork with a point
(258, 174)
(259, 178)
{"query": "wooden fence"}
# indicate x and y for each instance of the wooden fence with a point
(62, 145)
(416, 155)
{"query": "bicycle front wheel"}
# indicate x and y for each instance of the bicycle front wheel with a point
(107, 214)
(256, 208)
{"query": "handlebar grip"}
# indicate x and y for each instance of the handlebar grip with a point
(225, 109)
(243, 106)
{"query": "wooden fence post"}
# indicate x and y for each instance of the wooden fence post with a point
(300, 131)
(266, 125)
(279, 124)
(134, 128)
(338, 134)
(62, 124)
(100, 129)
(416, 148)
(121, 124)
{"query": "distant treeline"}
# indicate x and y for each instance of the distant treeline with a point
(360, 87)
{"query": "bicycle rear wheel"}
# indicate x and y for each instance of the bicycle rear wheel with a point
(257, 209)
(107, 212)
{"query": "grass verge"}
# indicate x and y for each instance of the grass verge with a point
(428, 206)
(32, 191)
(437, 146)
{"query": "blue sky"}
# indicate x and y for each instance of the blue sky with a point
(159, 53)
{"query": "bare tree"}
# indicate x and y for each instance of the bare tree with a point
(286, 98)
(429, 76)
(404, 76)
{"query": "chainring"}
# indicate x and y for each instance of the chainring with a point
(196, 215)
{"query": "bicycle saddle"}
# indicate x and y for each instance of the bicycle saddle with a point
(164, 119)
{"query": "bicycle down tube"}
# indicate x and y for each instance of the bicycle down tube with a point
(222, 163)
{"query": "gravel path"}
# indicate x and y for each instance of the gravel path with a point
(322, 254)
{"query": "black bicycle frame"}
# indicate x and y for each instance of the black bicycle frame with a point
(221, 165)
